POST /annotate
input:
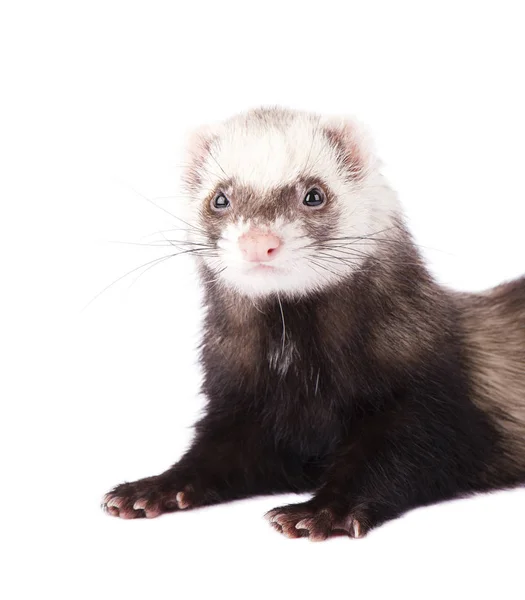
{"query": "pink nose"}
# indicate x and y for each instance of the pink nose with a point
(257, 246)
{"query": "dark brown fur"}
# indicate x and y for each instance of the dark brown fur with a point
(382, 408)
(282, 202)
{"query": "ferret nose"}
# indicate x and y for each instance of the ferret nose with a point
(257, 246)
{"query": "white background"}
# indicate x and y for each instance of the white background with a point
(96, 98)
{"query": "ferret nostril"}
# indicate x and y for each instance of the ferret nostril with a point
(273, 244)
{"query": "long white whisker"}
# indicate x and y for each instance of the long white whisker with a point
(284, 325)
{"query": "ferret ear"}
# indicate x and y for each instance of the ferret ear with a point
(198, 144)
(352, 145)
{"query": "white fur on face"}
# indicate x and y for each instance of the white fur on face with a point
(272, 152)
(266, 150)
(294, 271)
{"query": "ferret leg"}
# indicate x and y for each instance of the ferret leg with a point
(371, 480)
(222, 464)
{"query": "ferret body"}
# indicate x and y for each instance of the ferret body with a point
(333, 362)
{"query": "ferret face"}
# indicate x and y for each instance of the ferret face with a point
(284, 202)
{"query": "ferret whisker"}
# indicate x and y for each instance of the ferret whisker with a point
(366, 239)
(191, 243)
(318, 158)
(359, 237)
(320, 264)
(123, 277)
(320, 274)
(217, 163)
(399, 243)
(161, 260)
(359, 259)
(349, 252)
(336, 259)
(191, 251)
(161, 231)
(284, 325)
(201, 168)
(158, 244)
(192, 227)
(307, 167)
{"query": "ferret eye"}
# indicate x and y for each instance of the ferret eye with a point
(314, 198)
(220, 202)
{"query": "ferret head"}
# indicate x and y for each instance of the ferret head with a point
(284, 202)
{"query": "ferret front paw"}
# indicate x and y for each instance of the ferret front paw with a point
(315, 522)
(148, 498)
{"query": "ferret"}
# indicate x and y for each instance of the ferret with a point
(333, 362)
